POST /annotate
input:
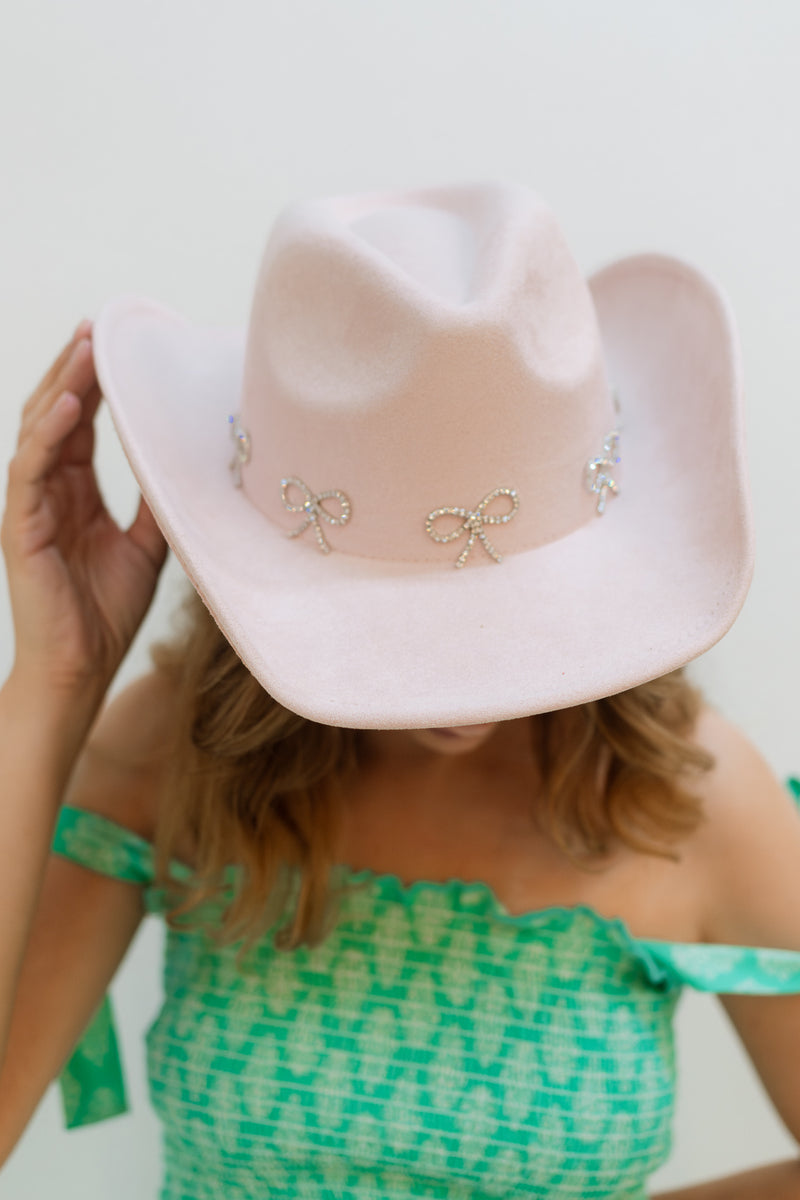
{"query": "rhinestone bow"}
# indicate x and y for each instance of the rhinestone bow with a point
(241, 439)
(473, 523)
(313, 510)
(599, 477)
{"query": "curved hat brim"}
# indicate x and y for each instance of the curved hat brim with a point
(357, 642)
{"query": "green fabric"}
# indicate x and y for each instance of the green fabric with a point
(92, 1083)
(433, 1045)
(103, 845)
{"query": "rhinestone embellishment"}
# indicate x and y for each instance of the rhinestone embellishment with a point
(241, 440)
(313, 509)
(473, 523)
(599, 477)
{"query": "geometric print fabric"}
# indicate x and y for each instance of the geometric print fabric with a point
(432, 1045)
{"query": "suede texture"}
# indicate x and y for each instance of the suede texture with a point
(416, 350)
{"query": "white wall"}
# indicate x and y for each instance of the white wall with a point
(147, 146)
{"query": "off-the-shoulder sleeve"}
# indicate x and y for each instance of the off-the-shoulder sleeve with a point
(747, 970)
(92, 1083)
(94, 841)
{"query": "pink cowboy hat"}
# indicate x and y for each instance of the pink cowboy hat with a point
(400, 493)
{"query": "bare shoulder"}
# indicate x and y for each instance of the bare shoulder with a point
(123, 766)
(748, 848)
(734, 785)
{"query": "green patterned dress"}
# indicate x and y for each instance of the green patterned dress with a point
(433, 1045)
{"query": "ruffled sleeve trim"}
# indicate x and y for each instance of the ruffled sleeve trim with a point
(708, 967)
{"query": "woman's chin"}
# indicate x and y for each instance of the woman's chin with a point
(454, 739)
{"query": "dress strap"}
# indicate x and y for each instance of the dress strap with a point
(92, 1083)
(94, 841)
(748, 970)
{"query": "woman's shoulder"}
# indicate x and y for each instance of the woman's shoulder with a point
(136, 724)
(735, 761)
(741, 789)
(747, 849)
(122, 770)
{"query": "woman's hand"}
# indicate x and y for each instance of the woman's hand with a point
(79, 585)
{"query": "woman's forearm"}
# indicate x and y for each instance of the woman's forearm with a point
(776, 1181)
(40, 738)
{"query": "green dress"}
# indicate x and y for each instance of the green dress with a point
(432, 1045)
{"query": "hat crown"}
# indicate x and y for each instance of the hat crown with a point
(419, 349)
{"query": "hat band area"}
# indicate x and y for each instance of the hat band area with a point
(600, 478)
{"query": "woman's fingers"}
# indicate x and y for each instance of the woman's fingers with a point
(78, 450)
(83, 330)
(145, 533)
(48, 391)
(38, 455)
(57, 378)
(57, 432)
(75, 374)
(46, 382)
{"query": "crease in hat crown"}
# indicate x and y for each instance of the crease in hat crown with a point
(418, 350)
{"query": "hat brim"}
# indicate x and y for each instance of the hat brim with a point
(357, 642)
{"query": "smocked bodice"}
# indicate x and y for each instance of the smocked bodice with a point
(432, 1045)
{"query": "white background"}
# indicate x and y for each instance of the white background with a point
(148, 146)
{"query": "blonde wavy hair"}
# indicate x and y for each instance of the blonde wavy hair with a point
(256, 785)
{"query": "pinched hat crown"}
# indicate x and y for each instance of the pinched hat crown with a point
(422, 351)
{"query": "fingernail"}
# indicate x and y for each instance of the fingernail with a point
(83, 329)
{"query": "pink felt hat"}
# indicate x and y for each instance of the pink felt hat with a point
(400, 493)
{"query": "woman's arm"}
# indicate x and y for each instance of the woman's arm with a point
(748, 853)
(84, 919)
(79, 588)
(777, 1181)
(40, 737)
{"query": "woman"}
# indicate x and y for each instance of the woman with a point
(438, 848)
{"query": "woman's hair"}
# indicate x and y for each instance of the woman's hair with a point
(255, 785)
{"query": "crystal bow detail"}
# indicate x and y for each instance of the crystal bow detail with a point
(313, 510)
(473, 523)
(599, 475)
(241, 440)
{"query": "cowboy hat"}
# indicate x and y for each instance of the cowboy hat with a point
(441, 478)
